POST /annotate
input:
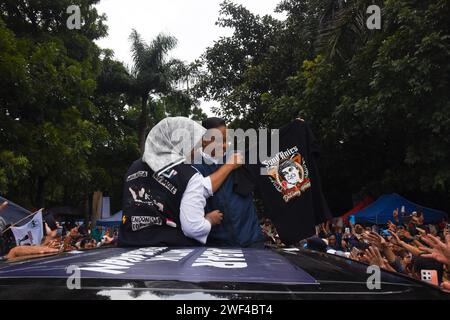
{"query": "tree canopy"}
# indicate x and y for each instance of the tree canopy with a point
(69, 112)
(378, 100)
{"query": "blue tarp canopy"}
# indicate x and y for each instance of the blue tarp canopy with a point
(13, 212)
(114, 220)
(380, 211)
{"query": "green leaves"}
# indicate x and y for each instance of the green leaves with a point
(46, 112)
(69, 113)
(377, 99)
(13, 170)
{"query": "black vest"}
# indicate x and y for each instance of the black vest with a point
(151, 207)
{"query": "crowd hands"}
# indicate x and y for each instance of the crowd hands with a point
(271, 234)
(58, 238)
(76, 239)
(401, 247)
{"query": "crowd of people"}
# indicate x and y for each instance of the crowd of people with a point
(58, 237)
(405, 245)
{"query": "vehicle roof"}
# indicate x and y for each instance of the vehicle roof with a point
(210, 273)
(159, 263)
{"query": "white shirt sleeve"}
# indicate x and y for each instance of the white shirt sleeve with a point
(192, 208)
(207, 187)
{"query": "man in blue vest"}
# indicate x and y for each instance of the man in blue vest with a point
(240, 226)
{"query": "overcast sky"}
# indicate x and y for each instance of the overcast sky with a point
(192, 22)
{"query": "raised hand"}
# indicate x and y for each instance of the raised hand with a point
(438, 250)
(236, 160)
(445, 286)
(395, 214)
(372, 257)
(355, 254)
(395, 239)
(375, 239)
(391, 227)
(421, 231)
(405, 233)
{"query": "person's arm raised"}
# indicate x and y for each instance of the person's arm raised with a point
(379, 242)
(415, 251)
(438, 250)
(219, 177)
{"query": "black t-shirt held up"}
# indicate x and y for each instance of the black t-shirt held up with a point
(290, 190)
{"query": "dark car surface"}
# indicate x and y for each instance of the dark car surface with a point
(202, 273)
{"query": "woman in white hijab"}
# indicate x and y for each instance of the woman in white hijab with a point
(164, 196)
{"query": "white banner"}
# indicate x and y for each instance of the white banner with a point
(30, 233)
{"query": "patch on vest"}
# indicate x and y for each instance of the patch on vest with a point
(141, 222)
(166, 184)
(169, 174)
(139, 174)
(142, 196)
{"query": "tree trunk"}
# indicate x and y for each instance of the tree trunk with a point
(143, 123)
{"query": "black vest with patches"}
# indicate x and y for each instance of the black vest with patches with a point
(151, 206)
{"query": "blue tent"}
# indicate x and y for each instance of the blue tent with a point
(380, 211)
(13, 212)
(114, 220)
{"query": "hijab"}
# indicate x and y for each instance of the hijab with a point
(170, 143)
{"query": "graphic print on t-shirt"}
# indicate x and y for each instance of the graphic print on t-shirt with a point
(288, 173)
